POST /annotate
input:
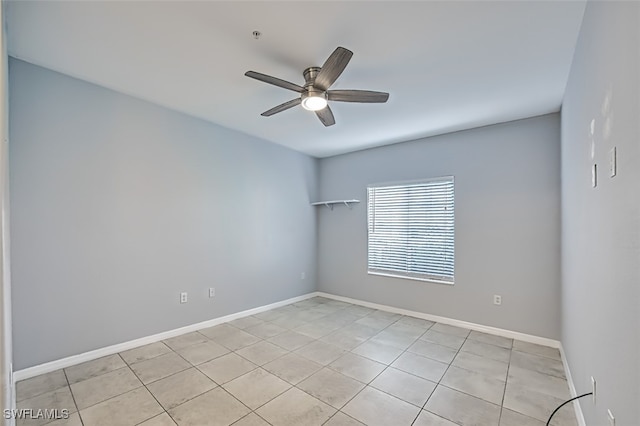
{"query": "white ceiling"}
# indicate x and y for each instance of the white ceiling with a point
(447, 65)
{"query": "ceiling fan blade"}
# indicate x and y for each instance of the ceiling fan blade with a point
(363, 96)
(332, 68)
(275, 81)
(326, 116)
(282, 107)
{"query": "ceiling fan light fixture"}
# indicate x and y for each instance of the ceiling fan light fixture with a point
(314, 102)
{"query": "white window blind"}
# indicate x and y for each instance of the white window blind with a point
(411, 229)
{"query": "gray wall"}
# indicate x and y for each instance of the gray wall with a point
(507, 200)
(601, 226)
(118, 205)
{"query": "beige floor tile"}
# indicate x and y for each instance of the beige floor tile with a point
(94, 368)
(375, 408)
(341, 419)
(145, 352)
(537, 405)
(185, 340)
(246, 322)
(416, 322)
(406, 329)
(462, 409)
(180, 387)
(316, 330)
(450, 329)
(433, 351)
(72, 420)
(538, 363)
(405, 386)
(474, 384)
(420, 366)
(163, 419)
(344, 339)
(444, 339)
(306, 386)
(292, 368)
(256, 388)
(236, 339)
(357, 367)
(289, 321)
(429, 419)
(269, 315)
(38, 385)
(265, 330)
(539, 382)
(251, 419)
(321, 352)
(532, 348)
(262, 352)
(202, 352)
(159, 367)
(360, 330)
(331, 387)
(491, 339)
(127, 409)
(291, 340)
(214, 408)
(486, 350)
(396, 339)
(59, 399)
(219, 331)
(295, 407)
(226, 368)
(482, 365)
(379, 352)
(376, 323)
(100, 388)
(512, 418)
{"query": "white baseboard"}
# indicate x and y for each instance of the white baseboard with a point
(449, 321)
(48, 367)
(577, 408)
(110, 350)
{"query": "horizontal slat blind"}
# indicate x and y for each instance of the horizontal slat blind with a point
(411, 229)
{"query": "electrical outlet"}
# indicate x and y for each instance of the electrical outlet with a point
(497, 299)
(183, 297)
(612, 420)
(593, 389)
(212, 292)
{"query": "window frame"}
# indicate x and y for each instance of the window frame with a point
(415, 276)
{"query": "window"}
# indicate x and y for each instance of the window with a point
(411, 230)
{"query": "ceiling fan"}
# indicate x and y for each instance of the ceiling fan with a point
(314, 95)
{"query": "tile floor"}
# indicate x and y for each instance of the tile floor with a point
(315, 362)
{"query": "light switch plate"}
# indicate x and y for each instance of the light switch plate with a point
(613, 162)
(594, 175)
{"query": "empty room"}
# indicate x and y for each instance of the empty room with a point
(376, 213)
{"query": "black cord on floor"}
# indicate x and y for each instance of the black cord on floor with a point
(565, 403)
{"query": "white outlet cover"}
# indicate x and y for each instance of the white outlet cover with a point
(212, 292)
(594, 175)
(183, 297)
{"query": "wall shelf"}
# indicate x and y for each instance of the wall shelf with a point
(332, 203)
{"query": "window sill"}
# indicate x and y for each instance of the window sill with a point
(404, 277)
